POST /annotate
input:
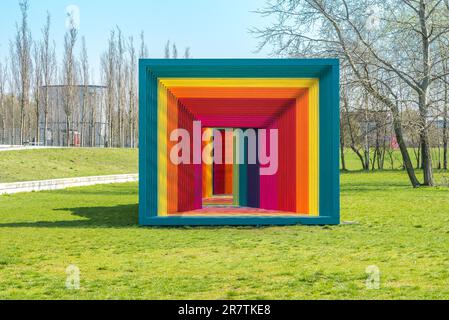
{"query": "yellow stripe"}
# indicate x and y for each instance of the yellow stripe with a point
(312, 84)
(162, 151)
(238, 82)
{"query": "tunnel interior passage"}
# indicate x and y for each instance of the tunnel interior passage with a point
(241, 132)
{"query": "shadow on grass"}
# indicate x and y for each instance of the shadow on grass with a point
(123, 216)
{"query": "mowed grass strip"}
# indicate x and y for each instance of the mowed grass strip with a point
(402, 231)
(45, 164)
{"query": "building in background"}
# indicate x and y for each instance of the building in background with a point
(88, 122)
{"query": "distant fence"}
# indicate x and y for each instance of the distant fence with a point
(88, 135)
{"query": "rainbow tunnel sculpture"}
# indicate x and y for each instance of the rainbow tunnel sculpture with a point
(262, 141)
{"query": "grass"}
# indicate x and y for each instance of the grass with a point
(394, 165)
(393, 161)
(403, 231)
(31, 165)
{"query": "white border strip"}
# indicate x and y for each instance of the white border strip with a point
(59, 184)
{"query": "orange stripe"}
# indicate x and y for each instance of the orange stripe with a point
(302, 154)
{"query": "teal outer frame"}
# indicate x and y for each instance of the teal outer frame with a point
(328, 72)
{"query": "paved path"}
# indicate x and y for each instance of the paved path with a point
(58, 184)
(20, 148)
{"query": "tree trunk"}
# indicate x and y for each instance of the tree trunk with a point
(366, 157)
(342, 148)
(45, 128)
(426, 160)
(445, 135)
(92, 128)
(3, 130)
(13, 127)
(408, 166)
(367, 145)
(423, 92)
(22, 120)
(111, 131)
(92, 132)
(37, 124)
(384, 147)
(351, 133)
(2, 118)
(417, 156)
(68, 131)
(426, 155)
(373, 162)
(131, 132)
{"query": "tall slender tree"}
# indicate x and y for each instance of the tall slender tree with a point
(84, 75)
(69, 77)
(132, 96)
(14, 83)
(48, 65)
(144, 52)
(167, 50)
(120, 85)
(175, 51)
(37, 57)
(445, 118)
(3, 110)
(22, 53)
(108, 74)
(187, 54)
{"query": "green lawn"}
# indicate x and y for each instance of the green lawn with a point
(393, 161)
(405, 232)
(30, 165)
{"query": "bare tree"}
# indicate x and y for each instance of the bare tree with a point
(23, 55)
(14, 82)
(26, 110)
(392, 48)
(187, 54)
(144, 53)
(69, 77)
(37, 57)
(443, 48)
(167, 50)
(120, 85)
(94, 103)
(342, 142)
(175, 51)
(108, 74)
(132, 95)
(445, 121)
(348, 123)
(48, 65)
(85, 103)
(3, 110)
